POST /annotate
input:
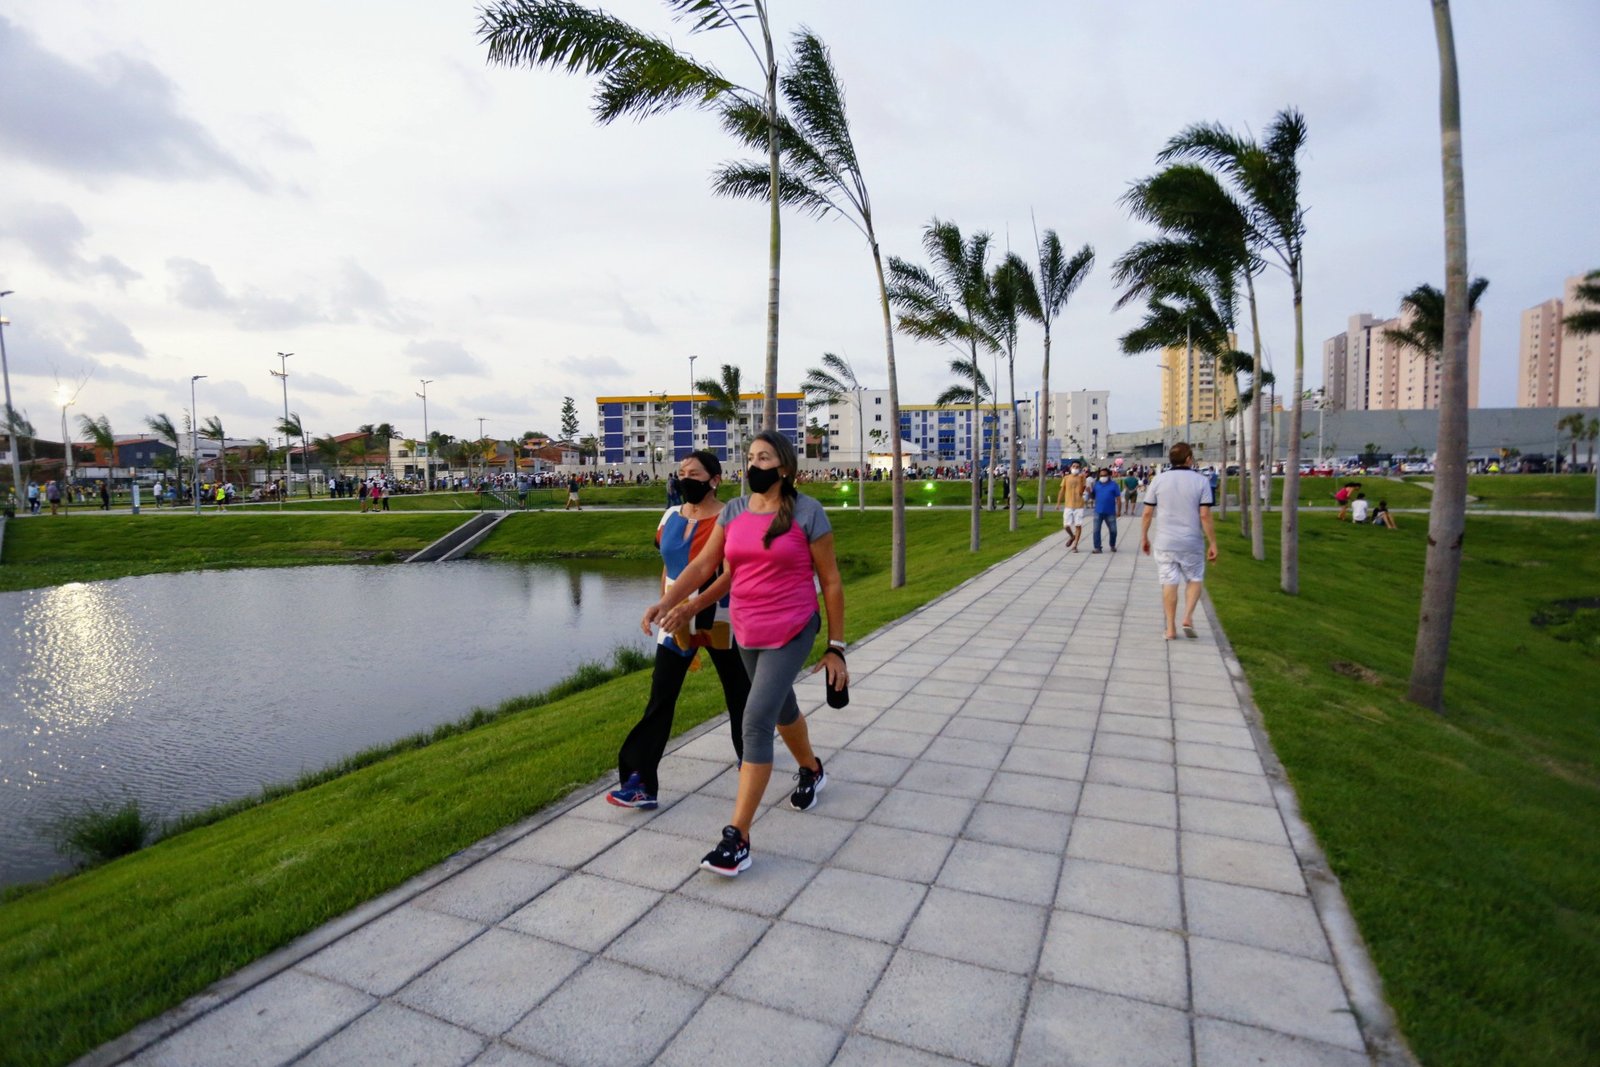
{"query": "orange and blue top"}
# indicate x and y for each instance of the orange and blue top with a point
(680, 540)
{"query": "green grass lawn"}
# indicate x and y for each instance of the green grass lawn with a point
(1532, 492)
(45, 551)
(87, 958)
(1468, 844)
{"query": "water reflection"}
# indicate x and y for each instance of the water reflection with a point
(182, 690)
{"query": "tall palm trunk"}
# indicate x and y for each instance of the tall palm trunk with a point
(1222, 505)
(770, 403)
(1289, 546)
(1044, 427)
(1011, 474)
(1258, 544)
(897, 489)
(977, 448)
(1447, 525)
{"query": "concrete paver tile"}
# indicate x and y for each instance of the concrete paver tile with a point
(1227, 818)
(1070, 692)
(1277, 921)
(929, 812)
(804, 835)
(1128, 746)
(1000, 871)
(1127, 894)
(1226, 716)
(893, 853)
(722, 1031)
(1219, 758)
(917, 722)
(1214, 733)
(883, 683)
(947, 749)
(500, 1054)
(1055, 738)
(490, 889)
(947, 779)
(1226, 785)
(680, 774)
(864, 905)
(1136, 705)
(491, 983)
(1018, 691)
(1082, 1028)
(933, 687)
(268, 1025)
(392, 1036)
(862, 1051)
(564, 1026)
(1114, 957)
(388, 952)
(1034, 791)
(1002, 934)
(568, 841)
(1135, 773)
(1288, 994)
(989, 704)
(1221, 696)
(693, 816)
(690, 940)
(765, 888)
(1148, 806)
(1112, 722)
(1247, 863)
(899, 668)
(1019, 827)
(887, 742)
(585, 911)
(655, 861)
(868, 767)
(954, 1009)
(842, 799)
(961, 670)
(1152, 691)
(714, 746)
(1149, 847)
(1047, 762)
(847, 968)
(832, 735)
(969, 728)
(928, 705)
(1224, 1044)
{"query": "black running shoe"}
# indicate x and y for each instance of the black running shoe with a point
(731, 855)
(804, 797)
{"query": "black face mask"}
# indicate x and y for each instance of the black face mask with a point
(693, 489)
(761, 479)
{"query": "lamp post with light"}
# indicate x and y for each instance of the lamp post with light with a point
(11, 417)
(283, 376)
(66, 443)
(194, 442)
(427, 441)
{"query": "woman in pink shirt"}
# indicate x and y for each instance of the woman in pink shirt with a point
(779, 546)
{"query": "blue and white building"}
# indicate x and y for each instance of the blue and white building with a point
(664, 428)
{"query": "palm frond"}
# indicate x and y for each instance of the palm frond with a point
(705, 15)
(814, 95)
(1060, 277)
(748, 180)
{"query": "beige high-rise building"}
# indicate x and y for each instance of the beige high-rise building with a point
(1539, 355)
(1197, 394)
(1580, 357)
(1556, 367)
(1363, 370)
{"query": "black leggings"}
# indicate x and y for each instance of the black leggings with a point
(641, 751)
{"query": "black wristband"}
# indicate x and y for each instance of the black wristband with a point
(837, 652)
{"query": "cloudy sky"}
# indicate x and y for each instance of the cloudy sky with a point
(192, 188)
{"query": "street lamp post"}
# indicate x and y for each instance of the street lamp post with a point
(283, 376)
(1166, 422)
(66, 446)
(692, 414)
(194, 442)
(483, 466)
(427, 442)
(11, 417)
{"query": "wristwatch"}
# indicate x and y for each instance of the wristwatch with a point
(836, 644)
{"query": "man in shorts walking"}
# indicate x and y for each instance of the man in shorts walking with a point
(1178, 504)
(1071, 501)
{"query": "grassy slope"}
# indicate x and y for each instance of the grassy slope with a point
(85, 959)
(49, 551)
(1468, 844)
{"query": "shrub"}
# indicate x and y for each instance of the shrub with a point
(102, 832)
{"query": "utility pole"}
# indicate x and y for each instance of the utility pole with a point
(194, 443)
(11, 414)
(1188, 378)
(427, 442)
(483, 466)
(283, 376)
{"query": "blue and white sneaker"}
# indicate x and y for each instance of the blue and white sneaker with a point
(731, 855)
(632, 795)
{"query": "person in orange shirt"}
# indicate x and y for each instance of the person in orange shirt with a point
(1071, 501)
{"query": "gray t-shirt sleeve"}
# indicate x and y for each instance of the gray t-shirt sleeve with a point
(810, 517)
(732, 510)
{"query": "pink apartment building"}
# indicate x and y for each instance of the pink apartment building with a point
(1556, 367)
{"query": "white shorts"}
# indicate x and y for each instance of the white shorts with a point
(1071, 517)
(1177, 568)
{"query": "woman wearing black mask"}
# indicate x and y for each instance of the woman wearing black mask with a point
(681, 534)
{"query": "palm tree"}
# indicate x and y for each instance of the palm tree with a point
(162, 426)
(291, 428)
(1574, 426)
(1059, 278)
(725, 403)
(1586, 320)
(1012, 295)
(262, 452)
(642, 75)
(1266, 177)
(211, 430)
(329, 451)
(1206, 241)
(822, 173)
(948, 304)
(832, 383)
(1422, 312)
(1447, 516)
(98, 430)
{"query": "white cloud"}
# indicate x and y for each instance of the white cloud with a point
(54, 236)
(444, 358)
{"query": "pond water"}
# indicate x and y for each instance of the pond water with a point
(184, 690)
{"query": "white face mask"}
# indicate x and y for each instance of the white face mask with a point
(1105, 477)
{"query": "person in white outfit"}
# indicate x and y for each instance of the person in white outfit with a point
(1178, 505)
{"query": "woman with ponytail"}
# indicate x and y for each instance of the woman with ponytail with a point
(779, 547)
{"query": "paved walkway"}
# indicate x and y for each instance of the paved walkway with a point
(1048, 837)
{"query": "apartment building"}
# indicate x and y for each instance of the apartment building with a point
(928, 433)
(1363, 369)
(1191, 389)
(664, 427)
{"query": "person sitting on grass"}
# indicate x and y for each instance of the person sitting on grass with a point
(1382, 517)
(1359, 509)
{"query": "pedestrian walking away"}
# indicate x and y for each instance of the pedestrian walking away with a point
(572, 494)
(1071, 501)
(779, 546)
(1106, 492)
(1177, 505)
(681, 535)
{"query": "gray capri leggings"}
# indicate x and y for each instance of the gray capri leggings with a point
(771, 702)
